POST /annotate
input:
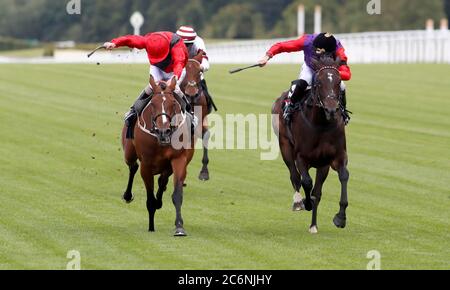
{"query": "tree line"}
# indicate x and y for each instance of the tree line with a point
(100, 20)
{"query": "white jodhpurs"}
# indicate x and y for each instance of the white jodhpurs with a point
(307, 74)
(160, 75)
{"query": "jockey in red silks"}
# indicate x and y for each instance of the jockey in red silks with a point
(168, 57)
(195, 44)
(313, 46)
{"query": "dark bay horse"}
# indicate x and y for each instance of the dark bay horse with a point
(316, 139)
(153, 147)
(193, 90)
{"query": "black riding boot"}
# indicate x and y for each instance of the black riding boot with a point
(345, 112)
(187, 108)
(296, 93)
(136, 108)
(209, 98)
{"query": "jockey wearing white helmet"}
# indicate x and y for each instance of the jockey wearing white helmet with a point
(195, 44)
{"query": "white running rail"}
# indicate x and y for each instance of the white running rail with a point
(417, 46)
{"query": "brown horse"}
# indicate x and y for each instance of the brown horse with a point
(193, 90)
(316, 139)
(153, 146)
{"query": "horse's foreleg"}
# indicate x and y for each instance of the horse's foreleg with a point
(204, 173)
(340, 220)
(147, 176)
(163, 180)
(179, 169)
(321, 175)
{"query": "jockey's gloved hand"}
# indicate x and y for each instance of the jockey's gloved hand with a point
(109, 45)
(263, 61)
(176, 80)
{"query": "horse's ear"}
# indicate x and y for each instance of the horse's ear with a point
(153, 84)
(173, 83)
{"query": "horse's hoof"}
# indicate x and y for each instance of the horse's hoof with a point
(308, 204)
(158, 204)
(339, 222)
(313, 230)
(184, 184)
(204, 175)
(151, 229)
(180, 232)
(128, 197)
(298, 206)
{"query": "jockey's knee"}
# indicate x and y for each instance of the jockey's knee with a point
(148, 90)
(343, 86)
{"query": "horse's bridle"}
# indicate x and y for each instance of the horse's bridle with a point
(163, 137)
(316, 85)
(194, 84)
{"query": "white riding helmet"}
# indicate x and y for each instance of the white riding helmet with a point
(187, 33)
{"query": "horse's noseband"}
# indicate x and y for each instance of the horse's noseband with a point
(192, 83)
(194, 98)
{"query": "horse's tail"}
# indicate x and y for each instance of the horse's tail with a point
(276, 116)
(277, 122)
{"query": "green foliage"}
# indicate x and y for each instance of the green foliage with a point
(49, 50)
(447, 8)
(235, 21)
(101, 20)
(7, 43)
(351, 16)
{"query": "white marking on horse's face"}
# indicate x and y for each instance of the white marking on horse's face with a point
(164, 118)
(330, 77)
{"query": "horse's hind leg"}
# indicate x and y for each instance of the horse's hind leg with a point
(131, 161)
(128, 196)
(286, 152)
(307, 184)
(321, 175)
(147, 176)
(204, 173)
(340, 220)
